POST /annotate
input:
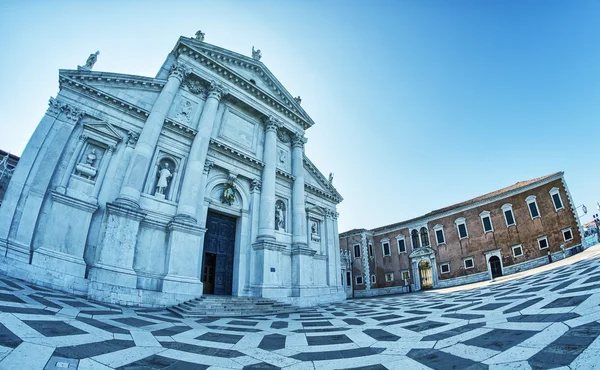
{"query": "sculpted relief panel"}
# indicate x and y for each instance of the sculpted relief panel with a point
(239, 130)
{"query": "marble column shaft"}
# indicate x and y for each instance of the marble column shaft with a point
(146, 144)
(191, 188)
(299, 230)
(266, 224)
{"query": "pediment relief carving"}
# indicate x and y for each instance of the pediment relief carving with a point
(422, 252)
(102, 131)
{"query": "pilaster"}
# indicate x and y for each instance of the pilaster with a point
(266, 225)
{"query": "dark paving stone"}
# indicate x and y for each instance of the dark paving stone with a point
(336, 355)
(201, 350)
(440, 360)
(207, 320)
(551, 317)
(453, 332)
(534, 289)
(567, 301)
(242, 323)
(311, 315)
(581, 289)
(403, 321)
(316, 323)
(159, 318)
(158, 362)
(523, 305)
(113, 307)
(372, 367)
(26, 310)
(279, 325)
(169, 332)
(53, 328)
(593, 279)
(320, 330)
(443, 306)
(386, 317)
(11, 284)
(98, 312)
(463, 316)
(418, 312)
(425, 326)
(566, 348)
(338, 314)
(132, 321)
(104, 326)
(77, 304)
(93, 349)
(564, 284)
(230, 328)
(467, 306)
(10, 298)
(381, 335)
(588, 270)
(515, 297)
(261, 366)
(353, 321)
(325, 340)
(490, 306)
(8, 338)
(220, 338)
(283, 316)
(272, 342)
(500, 339)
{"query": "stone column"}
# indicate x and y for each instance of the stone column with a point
(254, 278)
(299, 229)
(266, 222)
(434, 271)
(365, 257)
(190, 189)
(64, 181)
(146, 144)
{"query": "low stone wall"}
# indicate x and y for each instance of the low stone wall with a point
(380, 291)
(462, 280)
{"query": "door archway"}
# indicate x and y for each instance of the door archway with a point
(495, 266)
(425, 274)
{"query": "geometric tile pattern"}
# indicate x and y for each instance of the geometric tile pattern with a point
(546, 318)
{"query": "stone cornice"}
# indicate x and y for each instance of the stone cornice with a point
(241, 156)
(74, 202)
(120, 104)
(428, 218)
(210, 59)
(117, 79)
(285, 175)
(320, 193)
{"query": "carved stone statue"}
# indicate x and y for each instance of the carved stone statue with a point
(86, 169)
(91, 60)
(163, 179)
(256, 54)
(298, 99)
(279, 217)
(330, 177)
(199, 35)
(314, 228)
(186, 111)
(91, 157)
(281, 157)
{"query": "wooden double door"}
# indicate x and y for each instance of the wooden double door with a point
(217, 261)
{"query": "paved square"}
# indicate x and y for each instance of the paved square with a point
(541, 320)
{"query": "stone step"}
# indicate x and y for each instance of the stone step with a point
(223, 306)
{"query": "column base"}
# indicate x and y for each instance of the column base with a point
(58, 261)
(113, 275)
(182, 285)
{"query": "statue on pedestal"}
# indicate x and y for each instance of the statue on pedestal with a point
(163, 180)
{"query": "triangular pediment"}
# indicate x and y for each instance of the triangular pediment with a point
(103, 129)
(314, 178)
(250, 70)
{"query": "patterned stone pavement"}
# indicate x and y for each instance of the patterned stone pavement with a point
(550, 319)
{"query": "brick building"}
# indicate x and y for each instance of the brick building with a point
(512, 229)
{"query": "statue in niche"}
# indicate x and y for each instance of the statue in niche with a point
(185, 113)
(86, 169)
(163, 180)
(314, 228)
(91, 157)
(279, 216)
(89, 63)
(314, 232)
(256, 54)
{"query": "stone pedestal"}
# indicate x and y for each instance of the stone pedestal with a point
(302, 270)
(184, 258)
(65, 236)
(266, 269)
(115, 263)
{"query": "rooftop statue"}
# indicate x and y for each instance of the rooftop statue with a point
(199, 35)
(89, 63)
(256, 54)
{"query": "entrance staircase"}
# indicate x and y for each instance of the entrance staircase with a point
(228, 306)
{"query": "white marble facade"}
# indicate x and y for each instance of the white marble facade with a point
(111, 195)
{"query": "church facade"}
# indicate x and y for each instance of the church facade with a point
(152, 191)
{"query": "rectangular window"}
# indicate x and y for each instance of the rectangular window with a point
(517, 250)
(356, 250)
(348, 278)
(567, 234)
(359, 280)
(401, 246)
(557, 201)
(469, 264)
(543, 242)
(373, 279)
(445, 268)
(439, 234)
(389, 277)
(462, 231)
(386, 249)
(534, 210)
(405, 275)
(371, 250)
(510, 219)
(487, 224)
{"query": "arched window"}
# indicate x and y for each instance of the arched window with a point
(424, 237)
(414, 235)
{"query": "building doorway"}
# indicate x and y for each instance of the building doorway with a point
(495, 266)
(425, 274)
(217, 261)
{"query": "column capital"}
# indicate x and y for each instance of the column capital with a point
(255, 185)
(71, 112)
(54, 107)
(298, 140)
(207, 166)
(217, 90)
(178, 71)
(273, 124)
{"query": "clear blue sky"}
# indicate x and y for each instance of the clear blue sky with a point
(417, 104)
